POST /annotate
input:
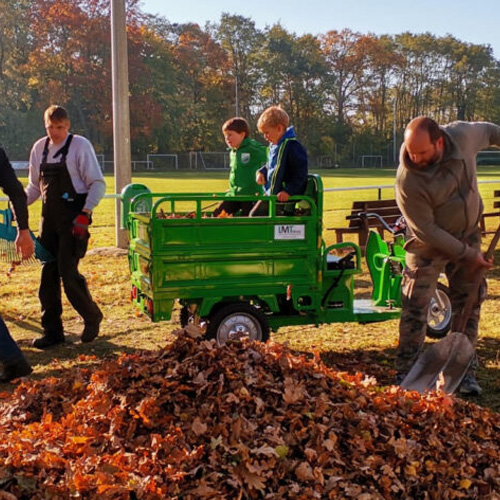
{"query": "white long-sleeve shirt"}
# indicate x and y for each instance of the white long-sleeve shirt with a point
(83, 168)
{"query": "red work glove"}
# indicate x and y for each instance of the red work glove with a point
(81, 225)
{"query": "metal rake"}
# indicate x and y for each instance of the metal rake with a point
(8, 252)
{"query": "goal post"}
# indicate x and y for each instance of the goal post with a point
(325, 161)
(217, 160)
(100, 160)
(371, 161)
(162, 162)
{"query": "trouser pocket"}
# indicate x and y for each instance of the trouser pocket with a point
(80, 246)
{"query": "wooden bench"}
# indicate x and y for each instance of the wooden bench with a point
(496, 206)
(360, 226)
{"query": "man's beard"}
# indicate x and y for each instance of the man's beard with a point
(436, 158)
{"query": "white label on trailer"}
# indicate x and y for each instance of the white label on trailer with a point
(289, 232)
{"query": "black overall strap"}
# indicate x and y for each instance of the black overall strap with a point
(45, 150)
(64, 150)
(56, 185)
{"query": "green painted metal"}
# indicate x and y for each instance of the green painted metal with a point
(385, 263)
(278, 263)
(129, 192)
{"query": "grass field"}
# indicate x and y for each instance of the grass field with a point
(348, 346)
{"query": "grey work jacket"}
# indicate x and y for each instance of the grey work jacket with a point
(441, 202)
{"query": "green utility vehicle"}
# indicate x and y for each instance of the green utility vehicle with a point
(244, 276)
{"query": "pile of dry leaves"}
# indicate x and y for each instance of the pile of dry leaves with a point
(245, 421)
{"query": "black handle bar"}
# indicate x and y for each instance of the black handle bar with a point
(372, 215)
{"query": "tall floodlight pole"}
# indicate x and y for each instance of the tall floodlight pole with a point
(237, 105)
(121, 113)
(236, 71)
(394, 135)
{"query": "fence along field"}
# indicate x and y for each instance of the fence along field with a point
(342, 187)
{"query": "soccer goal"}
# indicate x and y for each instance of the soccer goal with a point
(162, 162)
(100, 160)
(488, 157)
(212, 160)
(371, 161)
(325, 161)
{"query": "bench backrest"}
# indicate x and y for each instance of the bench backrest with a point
(496, 196)
(386, 208)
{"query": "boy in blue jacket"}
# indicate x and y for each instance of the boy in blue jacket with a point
(285, 174)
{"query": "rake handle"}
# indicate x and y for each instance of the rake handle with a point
(461, 321)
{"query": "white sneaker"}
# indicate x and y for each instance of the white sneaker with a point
(469, 386)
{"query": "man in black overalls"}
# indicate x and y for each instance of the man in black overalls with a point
(66, 163)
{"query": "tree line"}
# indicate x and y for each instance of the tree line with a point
(347, 93)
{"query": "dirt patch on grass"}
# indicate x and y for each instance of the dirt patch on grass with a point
(108, 251)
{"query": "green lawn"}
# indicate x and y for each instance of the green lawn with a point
(348, 346)
(336, 206)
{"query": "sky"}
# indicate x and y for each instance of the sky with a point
(472, 21)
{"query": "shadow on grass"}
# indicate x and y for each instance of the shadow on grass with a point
(488, 351)
(25, 325)
(379, 364)
(73, 354)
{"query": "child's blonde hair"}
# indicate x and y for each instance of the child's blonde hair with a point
(272, 117)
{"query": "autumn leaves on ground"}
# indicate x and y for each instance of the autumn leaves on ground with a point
(182, 418)
(145, 412)
(196, 421)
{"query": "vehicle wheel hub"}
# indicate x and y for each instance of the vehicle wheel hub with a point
(237, 327)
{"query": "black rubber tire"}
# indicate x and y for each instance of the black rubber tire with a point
(235, 321)
(439, 319)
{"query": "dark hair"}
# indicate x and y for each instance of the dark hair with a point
(55, 113)
(424, 123)
(237, 124)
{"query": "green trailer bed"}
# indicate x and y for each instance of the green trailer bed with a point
(274, 267)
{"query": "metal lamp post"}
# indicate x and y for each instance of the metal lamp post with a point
(394, 135)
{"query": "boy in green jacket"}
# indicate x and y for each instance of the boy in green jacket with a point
(246, 157)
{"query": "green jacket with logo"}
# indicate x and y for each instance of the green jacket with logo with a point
(245, 161)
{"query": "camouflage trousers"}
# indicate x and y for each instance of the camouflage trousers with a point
(419, 284)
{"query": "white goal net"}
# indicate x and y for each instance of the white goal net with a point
(325, 161)
(162, 162)
(100, 160)
(371, 161)
(209, 160)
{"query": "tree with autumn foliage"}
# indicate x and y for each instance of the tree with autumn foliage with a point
(202, 88)
(242, 43)
(69, 62)
(16, 101)
(344, 90)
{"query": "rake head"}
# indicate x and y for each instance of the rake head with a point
(8, 234)
(9, 255)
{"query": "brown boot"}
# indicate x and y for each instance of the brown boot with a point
(48, 341)
(91, 329)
